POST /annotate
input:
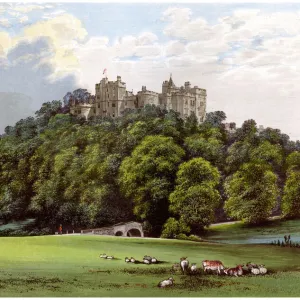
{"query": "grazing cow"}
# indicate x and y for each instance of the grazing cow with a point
(255, 271)
(109, 257)
(193, 268)
(250, 265)
(153, 260)
(147, 257)
(237, 271)
(146, 261)
(127, 259)
(184, 264)
(166, 283)
(176, 267)
(253, 268)
(132, 260)
(262, 269)
(214, 265)
(103, 255)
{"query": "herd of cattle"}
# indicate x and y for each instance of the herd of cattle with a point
(208, 266)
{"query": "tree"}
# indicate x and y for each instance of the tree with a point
(291, 193)
(210, 149)
(195, 196)
(147, 177)
(237, 154)
(215, 118)
(173, 227)
(248, 132)
(269, 153)
(252, 192)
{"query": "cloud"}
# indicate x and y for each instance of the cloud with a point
(23, 19)
(5, 23)
(175, 48)
(28, 73)
(27, 8)
(53, 14)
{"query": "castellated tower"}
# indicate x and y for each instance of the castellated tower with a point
(112, 98)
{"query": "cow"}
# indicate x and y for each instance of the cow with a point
(237, 271)
(184, 264)
(214, 265)
(166, 283)
(262, 269)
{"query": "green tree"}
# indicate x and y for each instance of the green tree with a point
(147, 177)
(252, 192)
(269, 153)
(195, 197)
(291, 194)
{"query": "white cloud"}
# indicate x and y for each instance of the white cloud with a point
(27, 8)
(5, 23)
(175, 48)
(23, 19)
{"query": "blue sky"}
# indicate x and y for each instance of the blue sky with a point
(245, 55)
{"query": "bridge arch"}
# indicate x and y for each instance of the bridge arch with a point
(130, 229)
(119, 233)
(134, 232)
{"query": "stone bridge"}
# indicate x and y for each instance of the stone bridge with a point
(131, 229)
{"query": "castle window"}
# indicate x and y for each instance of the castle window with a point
(113, 105)
(98, 105)
(113, 115)
(108, 96)
(107, 104)
(126, 103)
(98, 97)
(94, 110)
(79, 111)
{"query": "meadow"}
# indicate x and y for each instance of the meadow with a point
(49, 266)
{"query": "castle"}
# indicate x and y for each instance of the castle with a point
(112, 99)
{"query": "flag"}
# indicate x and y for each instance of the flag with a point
(104, 71)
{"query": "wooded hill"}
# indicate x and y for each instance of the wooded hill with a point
(175, 176)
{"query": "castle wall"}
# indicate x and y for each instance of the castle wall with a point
(147, 97)
(84, 110)
(111, 99)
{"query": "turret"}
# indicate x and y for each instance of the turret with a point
(165, 86)
(187, 85)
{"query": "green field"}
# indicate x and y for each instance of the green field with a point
(70, 266)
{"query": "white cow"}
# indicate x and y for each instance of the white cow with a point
(262, 269)
(166, 283)
(184, 264)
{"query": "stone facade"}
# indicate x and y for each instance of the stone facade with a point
(112, 98)
(130, 229)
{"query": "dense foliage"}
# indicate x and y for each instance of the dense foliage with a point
(174, 175)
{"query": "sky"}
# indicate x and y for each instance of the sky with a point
(247, 56)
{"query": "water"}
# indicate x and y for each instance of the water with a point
(258, 240)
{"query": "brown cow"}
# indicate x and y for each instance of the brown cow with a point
(237, 271)
(213, 265)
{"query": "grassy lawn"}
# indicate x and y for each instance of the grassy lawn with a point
(70, 266)
(243, 234)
